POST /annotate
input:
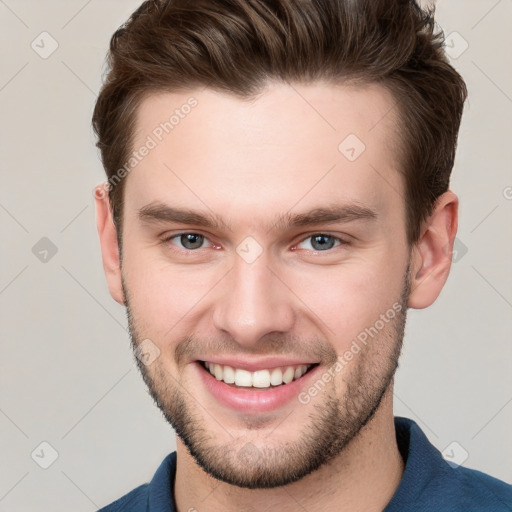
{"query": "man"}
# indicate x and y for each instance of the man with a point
(277, 198)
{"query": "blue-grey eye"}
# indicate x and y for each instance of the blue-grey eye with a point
(321, 242)
(191, 240)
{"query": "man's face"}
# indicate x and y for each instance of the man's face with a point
(259, 286)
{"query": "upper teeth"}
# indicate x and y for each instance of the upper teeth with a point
(259, 378)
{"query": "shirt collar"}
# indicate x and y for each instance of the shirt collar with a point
(161, 487)
(423, 463)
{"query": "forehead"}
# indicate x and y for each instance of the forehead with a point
(291, 144)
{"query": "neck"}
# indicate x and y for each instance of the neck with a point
(363, 477)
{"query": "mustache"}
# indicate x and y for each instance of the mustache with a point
(272, 345)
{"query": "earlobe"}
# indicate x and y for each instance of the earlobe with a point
(107, 232)
(431, 257)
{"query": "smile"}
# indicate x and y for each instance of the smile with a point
(243, 394)
(237, 377)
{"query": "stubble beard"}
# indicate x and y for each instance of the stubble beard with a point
(332, 424)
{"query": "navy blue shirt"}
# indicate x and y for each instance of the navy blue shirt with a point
(429, 483)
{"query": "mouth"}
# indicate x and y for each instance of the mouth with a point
(259, 380)
(258, 392)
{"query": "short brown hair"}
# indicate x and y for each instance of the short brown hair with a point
(237, 46)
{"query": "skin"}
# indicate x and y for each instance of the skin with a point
(249, 162)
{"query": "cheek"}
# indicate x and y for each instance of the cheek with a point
(162, 295)
(345, 300)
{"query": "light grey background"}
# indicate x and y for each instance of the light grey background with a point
(67, 375)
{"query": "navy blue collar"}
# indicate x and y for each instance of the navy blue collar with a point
(160, 498)
(423, 463)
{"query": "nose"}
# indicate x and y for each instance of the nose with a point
(253, 302)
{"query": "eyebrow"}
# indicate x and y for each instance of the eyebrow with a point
(158, 212)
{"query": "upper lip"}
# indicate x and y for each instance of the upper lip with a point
(256, 364)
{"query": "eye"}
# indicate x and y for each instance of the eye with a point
(188, 241)
(320, 242)
(323, 242)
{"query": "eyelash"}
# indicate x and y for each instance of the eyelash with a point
(342, 242)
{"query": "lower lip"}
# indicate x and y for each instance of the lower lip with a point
(254, 400)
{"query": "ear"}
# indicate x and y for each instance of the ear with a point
(107, 232)
(432, 253)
